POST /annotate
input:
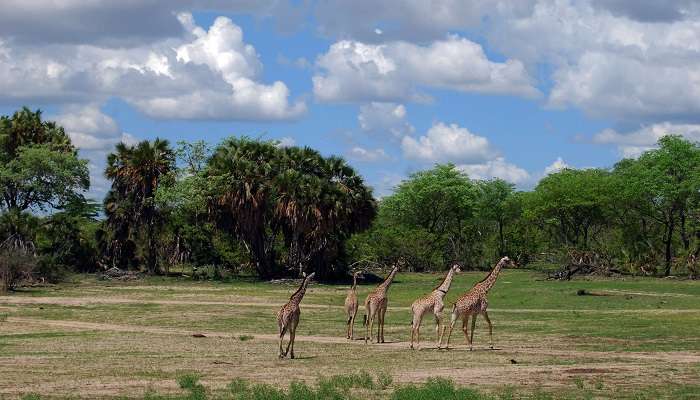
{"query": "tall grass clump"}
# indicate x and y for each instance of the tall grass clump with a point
(436, 389)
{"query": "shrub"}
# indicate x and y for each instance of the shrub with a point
(15, 266)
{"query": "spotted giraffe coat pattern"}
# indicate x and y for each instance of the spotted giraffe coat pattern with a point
(351, 305)
(288, 317)
(375, 307)
(474, 303)
(431, 304)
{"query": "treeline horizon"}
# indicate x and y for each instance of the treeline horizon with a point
(254, 206)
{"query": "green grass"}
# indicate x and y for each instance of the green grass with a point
(361, 386)
(634, 317)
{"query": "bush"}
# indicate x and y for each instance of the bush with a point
(15, 267)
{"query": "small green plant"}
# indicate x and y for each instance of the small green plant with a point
(31, 396)
(245, 338)
(190, 382)
(384, 380)
(238, 386)
(3, 317)
(435, 389)
(578, 381)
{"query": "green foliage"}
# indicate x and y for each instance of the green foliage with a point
(132, 213)
(427, 221)
(264, 194)
(641, 213)
(39, 167)
(190, 382)
(435, 388)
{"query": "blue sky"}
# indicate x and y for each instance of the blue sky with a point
(510, 89)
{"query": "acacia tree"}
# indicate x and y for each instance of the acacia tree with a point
(39, 166)
(136, 172)
(262, 192)
(496, 203)
(428, 220)
(572, 204)
(658, 189)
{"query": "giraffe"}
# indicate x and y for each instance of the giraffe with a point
(432, 303)
(351, 306)
(473, 303)
(375, 306)
(288, 316)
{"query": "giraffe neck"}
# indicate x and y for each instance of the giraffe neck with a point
(490, 280)
(385, 285)
(354, 282)
(299, 294)
(445, 285)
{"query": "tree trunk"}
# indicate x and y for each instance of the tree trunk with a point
(151, 262)
(668, 241)
(684, 234)
(264, 258)
(502, 242)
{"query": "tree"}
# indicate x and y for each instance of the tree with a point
(496, 204)
(136, 172)
(434, 208)
(39, 167)
(660, 187)
(572, 203)
(263, 193)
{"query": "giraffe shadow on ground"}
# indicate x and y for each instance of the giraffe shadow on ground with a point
(473, 350)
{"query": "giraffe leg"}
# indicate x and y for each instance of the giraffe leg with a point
(413, 330)
(488, 321)
(418, 333)
(352, 325)
(283, 330)
(471, 337)
(370, 326)
(292, 336)
(453, 320)
(438, 322)
(465, 329)
(381, 325)
(347, 326)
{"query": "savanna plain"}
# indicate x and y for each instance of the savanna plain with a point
(164, 338)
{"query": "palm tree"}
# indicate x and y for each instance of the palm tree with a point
(136, 172)
(264, 192)
(240, 172)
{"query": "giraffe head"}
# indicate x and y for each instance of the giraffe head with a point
(456, 267)
(308, 277)
(507, 262)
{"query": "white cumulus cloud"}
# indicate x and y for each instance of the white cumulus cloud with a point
(448, 143)
(387, 118)
(633, 144)
(210, 74)
(556, 166)
(496, 168)
(356, 71)
(367, 155)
